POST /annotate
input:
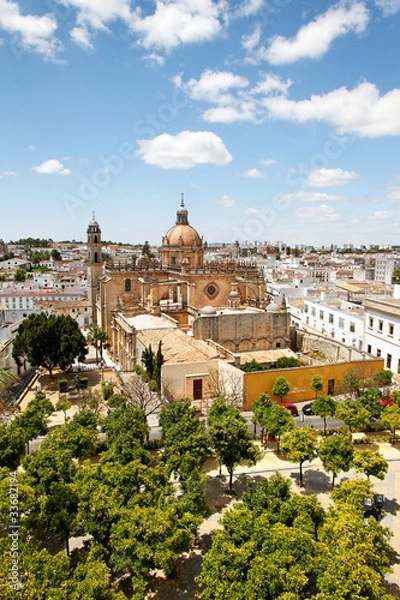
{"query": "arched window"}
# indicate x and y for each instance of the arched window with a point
(96, 257)
(128, 285)
(95, 239)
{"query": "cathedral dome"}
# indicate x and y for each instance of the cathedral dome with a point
(182, 235)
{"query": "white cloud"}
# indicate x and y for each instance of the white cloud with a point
(184, 150)
(272, 84)
(388, 7)
(176, 22)
(251, 211)
(330, 177)
(360, 111)
(318, 214)
(249, 8)
(394, 192)
(213, 86)
(154, 58)
(33, 33)
(304, 196)
(52, 167)
(267, 162)
(7, 174)
(381, 215)
(32, 148)
(82, 37)
(227, 202)
(254, 173)
(226, 90)
(96, 15)
(314, 39)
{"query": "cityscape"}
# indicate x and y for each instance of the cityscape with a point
(199, 300)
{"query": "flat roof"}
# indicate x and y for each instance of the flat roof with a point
(143, 322)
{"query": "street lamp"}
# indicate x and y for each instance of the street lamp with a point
(373, 507)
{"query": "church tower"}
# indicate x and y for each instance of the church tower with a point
(94, 263)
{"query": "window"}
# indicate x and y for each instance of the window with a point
(128, 285)
(331, 387)
(277, 345)
(331, 318)
(321, 314)
(96, 257)
(380, 326)
(197, 389)
(388, 361)
(398, 365)
(369, 349)
(391, 329)
(341, 323)
(313, 311)
(306, 308)
(212, 290)
(352, 327)
(371, 323)
(378, 352)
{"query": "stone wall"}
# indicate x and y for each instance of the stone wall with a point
(333, 351)
(243, 332)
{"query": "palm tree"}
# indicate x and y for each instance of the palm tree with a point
(97, 337)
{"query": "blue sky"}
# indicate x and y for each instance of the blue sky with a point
(278, 120)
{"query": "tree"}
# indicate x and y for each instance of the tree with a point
(55, 255)
(97, 337)
(324, 406)
(185, 440)
(396, 276)
(300, 445)
(265, 546)
(126, 429)
(370, 463)
(225, 384)
(20, 275)
(49, 341)
(391, 418)
(231, 440)
(370, 401)
(251, 366)
(355, 416)
(317, 385)
(158, 363)
(276, 421)
(336, 453)
(146, 249)
(260, 405)
(356, 380)
(383, 378)
(287, 362)
(148, 361)
(281, 387)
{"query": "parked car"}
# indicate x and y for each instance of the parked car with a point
(307, 409)
(387, 401)
(291, 408)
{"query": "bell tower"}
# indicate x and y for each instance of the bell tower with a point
(94, 263)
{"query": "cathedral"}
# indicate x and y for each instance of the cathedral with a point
(178, 284)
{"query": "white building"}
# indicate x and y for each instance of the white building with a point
(384, 267)
(382, 331)
(339, 320)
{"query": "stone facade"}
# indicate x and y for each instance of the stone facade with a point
(245, 331)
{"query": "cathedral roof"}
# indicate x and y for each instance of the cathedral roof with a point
(182, 234)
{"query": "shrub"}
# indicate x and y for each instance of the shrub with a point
(62, 386)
